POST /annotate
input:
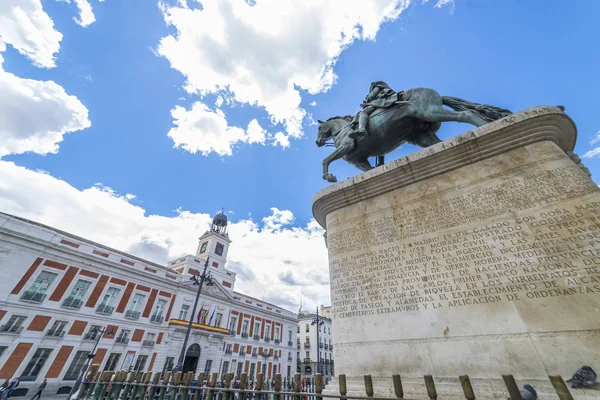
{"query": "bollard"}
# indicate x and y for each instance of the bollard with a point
(398, 391)
(211, 384)
(277, 387)
(198, 391)
(163, 389)
(297, 386)
(187, 382)
(243, 386)
(228, 379)
(513, 389)
(561, 387)
(368, 385)
(318, 385)
(155, 382)
(430, 385)
(342, 383)
(87, 382)
(467, 388)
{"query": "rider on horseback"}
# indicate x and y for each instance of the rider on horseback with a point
(380, 96)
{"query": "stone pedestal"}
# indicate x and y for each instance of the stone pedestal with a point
(479, 255)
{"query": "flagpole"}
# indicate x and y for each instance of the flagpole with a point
(199, 282)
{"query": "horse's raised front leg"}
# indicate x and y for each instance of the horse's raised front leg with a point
(345, 147)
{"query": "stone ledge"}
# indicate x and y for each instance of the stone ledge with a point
(545, 123)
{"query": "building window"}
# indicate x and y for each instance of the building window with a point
(274, 369)
(135, 306)
(14, 324)
(267, 333)
(307, 356)
(218, 319)
(111, 364)
(256, 330)
(107, 306)
(76, 366)
(276, 334)
(203, 316)
(289, 372)
(307, 328)
(184, 312)
(140, 363)
(207, 369)
(219, 249)
(159, 308)
(203, 247)
(238, 372)
(150, 339)
(93, 332)
(232, 324)
(168, 366)
(37, 290)
(35, 365)
(75, 299)
(228, 349)
(252, 368)
(2, 350)
(58, 329)
(290, 337)
(123, 336)
(225, 369)
(298, 329)
(245, 325)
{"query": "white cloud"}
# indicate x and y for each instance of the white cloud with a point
(256, 134)
(314, 103)
(442, 3)
(34, 115)
(281, 140)
(264, 54)
(86, 15)
(27, 27)
(261, 252)
(595, 151)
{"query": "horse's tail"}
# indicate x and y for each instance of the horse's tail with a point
(485, 111)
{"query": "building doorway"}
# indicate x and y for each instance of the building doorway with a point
(192, 355)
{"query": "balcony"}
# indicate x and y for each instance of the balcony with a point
(148, 343)
(307, 345)
(34, 297)
(290, 358)
(228, 351)
(130, 314)
(242, 352)
(320, 345)
(14, 329)
(254, 354)
(122, 340)
(105, 309)
(290, 343)
(157, 319)
(267, 339)
(231, 332)
(55, 334)
(245, 335)
(90, 336)
(330, 347)
(71, 302)
(276, 357)
(306, 360)
(276, 341)
(256, 337)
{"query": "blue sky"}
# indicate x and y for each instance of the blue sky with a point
(170, 92)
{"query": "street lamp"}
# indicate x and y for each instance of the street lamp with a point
(198, 280)
(318, 320)
(90, 357)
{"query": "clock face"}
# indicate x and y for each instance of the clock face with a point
(204, 246)
(219, 249)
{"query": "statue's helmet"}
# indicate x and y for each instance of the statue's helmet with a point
(381, 84)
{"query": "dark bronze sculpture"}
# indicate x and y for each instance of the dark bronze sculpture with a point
(388, 119)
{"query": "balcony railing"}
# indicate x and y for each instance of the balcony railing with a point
(306, 359)
(228, 351)
(105, 309)
(275, 357)
(320, 345)
(122, 340)
(276, 341)
(256, 337)
(33, 296)
(232, 332)
(290, 343)
(130, 314)
(254, 354)
(90, 336)
(330, 347)
(289, 358)
(156, 319)
(11, 329)
(267, 339)
(148, 343)
(244, 334)
(57, 334)
(71, 302)
(242, 352)
(307, 345)
(298, 344)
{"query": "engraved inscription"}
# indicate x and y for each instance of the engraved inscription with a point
(444, 255)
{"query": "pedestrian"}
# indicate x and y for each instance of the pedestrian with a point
(12, 386)
(40, 389)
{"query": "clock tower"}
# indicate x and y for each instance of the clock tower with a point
(214, 244)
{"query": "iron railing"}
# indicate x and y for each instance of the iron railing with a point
(72, 302)
(11, 329)
(105, 309)
(156, 318)
(55, 333)
(140, 386)
(130, 314)
(33, 296)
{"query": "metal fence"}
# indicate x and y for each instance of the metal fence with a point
(143, 386)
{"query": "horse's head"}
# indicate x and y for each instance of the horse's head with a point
(324, 133)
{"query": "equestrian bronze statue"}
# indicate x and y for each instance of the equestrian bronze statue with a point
(389, 119)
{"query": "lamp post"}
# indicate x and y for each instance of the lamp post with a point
(90, 357)
(198, 280)
(318, 320)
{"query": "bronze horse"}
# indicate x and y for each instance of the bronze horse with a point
(415, 120)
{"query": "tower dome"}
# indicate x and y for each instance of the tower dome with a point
(219, 223)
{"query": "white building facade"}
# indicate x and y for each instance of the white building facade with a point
(57, 291)
(314, 342)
